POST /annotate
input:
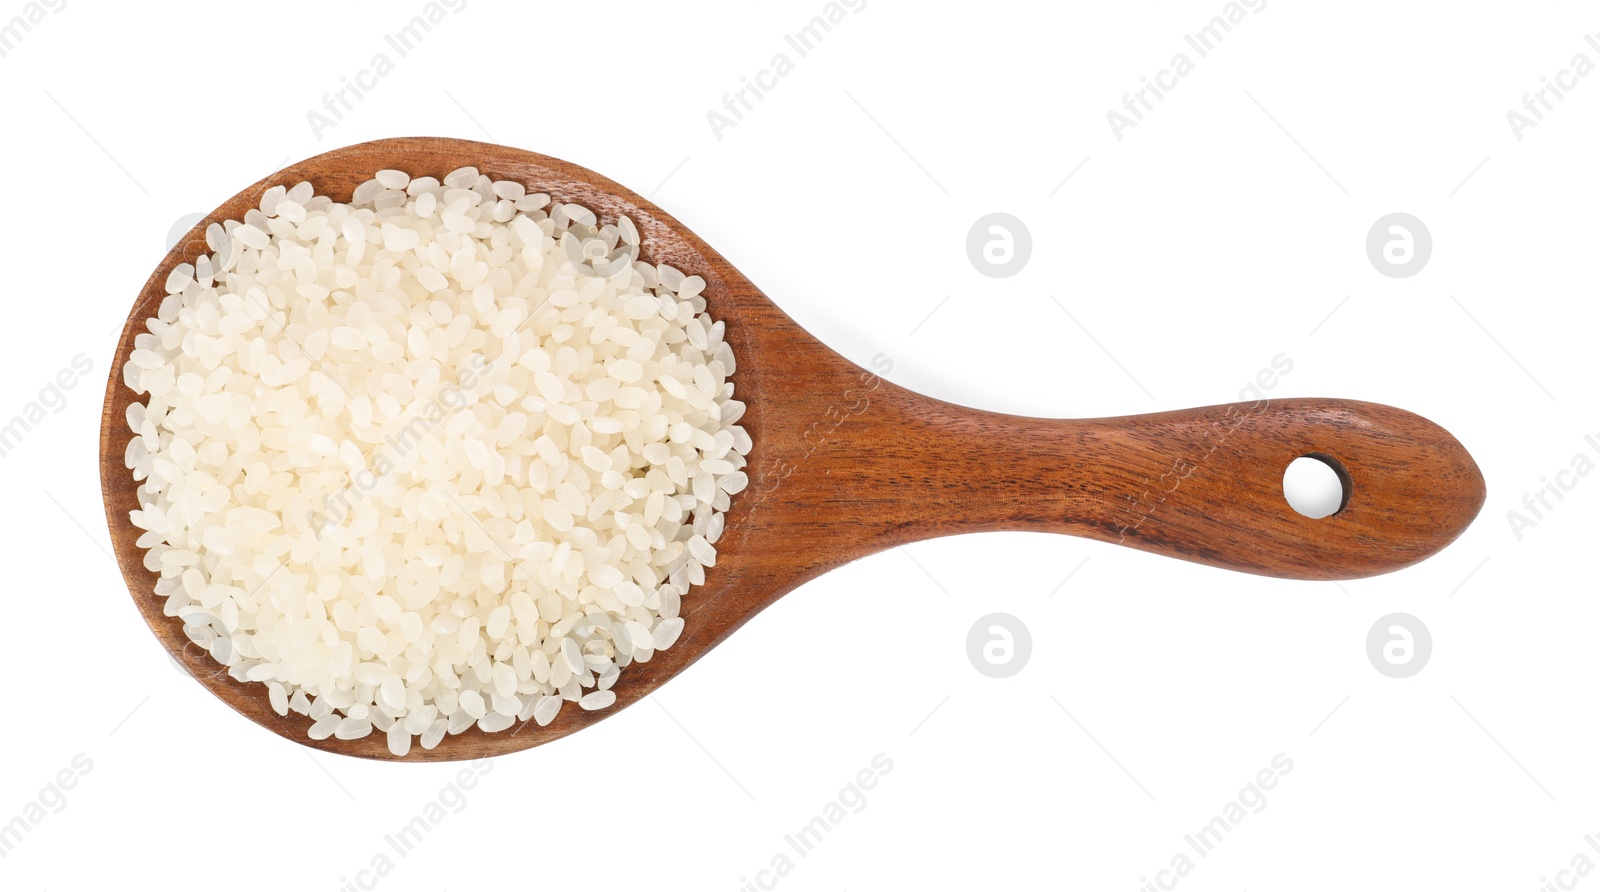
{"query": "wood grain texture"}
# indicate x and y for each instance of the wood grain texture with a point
(846, 464)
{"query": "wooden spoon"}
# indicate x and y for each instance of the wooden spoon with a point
(846, 464)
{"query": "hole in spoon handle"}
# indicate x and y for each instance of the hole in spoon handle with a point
(1207, 485)
(1316, 485)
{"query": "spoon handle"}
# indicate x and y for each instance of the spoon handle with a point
(1202, 484)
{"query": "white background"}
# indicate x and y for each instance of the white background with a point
(1226, 228)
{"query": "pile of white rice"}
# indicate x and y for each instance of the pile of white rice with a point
(445, 456)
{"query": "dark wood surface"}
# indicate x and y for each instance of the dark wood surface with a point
(846, 464)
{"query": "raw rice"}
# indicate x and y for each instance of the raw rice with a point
(431, 459)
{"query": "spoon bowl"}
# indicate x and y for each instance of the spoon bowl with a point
(846, 464)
